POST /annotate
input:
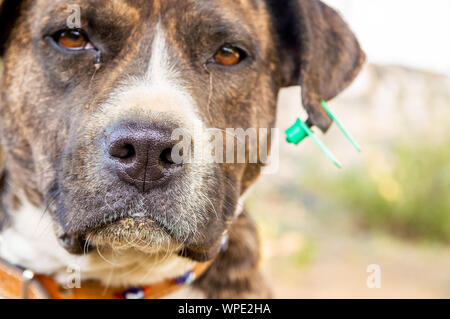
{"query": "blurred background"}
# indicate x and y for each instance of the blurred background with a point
(321, 227)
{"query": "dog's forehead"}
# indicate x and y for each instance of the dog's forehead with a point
(144, 11)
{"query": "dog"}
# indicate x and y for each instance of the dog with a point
(88, 185)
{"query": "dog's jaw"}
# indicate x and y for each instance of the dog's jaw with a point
(30, 242)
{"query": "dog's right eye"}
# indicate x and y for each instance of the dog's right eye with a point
(74, 40)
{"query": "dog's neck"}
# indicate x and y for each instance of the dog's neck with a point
(29, 241)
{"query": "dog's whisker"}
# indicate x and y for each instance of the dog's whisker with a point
(208, 105)
(87, 244)
(44, 212)
(104, 258)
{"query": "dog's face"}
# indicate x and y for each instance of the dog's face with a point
(87, 114)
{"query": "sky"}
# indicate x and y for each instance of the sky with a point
(414, 33)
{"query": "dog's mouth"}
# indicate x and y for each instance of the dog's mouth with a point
(140, 233)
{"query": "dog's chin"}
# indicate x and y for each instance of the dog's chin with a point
(142, 234)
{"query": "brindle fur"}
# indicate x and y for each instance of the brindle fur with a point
(48, 100)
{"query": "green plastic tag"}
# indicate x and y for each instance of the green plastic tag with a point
(299, 131)
(341, 127)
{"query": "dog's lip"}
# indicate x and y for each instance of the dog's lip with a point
(125, 221)
(108, 232)
(142, 233)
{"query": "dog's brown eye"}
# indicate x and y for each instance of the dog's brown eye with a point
(72, 40)
(229, 55)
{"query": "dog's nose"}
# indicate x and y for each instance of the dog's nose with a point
(141, 153)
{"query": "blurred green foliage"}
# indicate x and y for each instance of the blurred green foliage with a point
(405, 191)
(306, 254)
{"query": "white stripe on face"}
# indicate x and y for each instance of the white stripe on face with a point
(160, 70)
(159, 94)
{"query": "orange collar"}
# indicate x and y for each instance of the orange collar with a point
(23, 284)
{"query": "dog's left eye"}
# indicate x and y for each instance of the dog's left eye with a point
(229, 55)
(74, 40)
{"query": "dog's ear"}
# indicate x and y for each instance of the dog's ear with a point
(318, 51)
(9, 11)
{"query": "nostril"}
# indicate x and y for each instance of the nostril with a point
(166, 158)
(125, 151)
